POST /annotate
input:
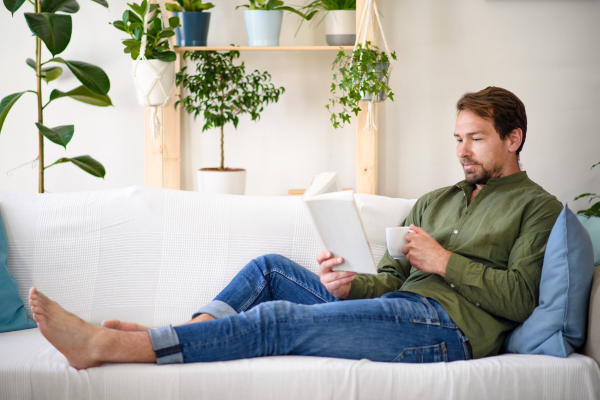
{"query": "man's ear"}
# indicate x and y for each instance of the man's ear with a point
(515, 138)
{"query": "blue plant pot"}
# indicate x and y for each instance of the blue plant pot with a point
(263, 27)
(194, 28)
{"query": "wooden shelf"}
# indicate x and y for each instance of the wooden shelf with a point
(263, 48)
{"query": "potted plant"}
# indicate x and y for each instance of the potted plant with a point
(55, 30)
(194, 21)
(363, 74)
(340, 20)
(221, 91)
(594, 210)
(263, 21)
(155, 77)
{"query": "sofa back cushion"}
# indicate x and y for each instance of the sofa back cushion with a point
(154, 256)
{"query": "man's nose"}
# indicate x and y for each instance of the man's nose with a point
(463, 150)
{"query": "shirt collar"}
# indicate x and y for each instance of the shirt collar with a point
(506, 180)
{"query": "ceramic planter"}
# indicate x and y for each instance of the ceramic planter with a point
(232, 181)
(154, 82)
(382, 95)
(340, 27)
(263, 27)
(194, 28)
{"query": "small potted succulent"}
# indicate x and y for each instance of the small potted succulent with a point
(154, 77)
(363, 75)
(340, 20)
(221, 91)
(194, 21)
(263, 21)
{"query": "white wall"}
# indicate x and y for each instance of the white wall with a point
(546, 52)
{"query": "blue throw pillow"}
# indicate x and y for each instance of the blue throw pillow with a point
(12, 312)
(592, 224)
(558, 325)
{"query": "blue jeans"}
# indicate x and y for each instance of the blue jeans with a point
(274, 306)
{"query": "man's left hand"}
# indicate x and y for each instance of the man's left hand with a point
(425, 253)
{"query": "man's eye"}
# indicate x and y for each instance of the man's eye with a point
(458, 141)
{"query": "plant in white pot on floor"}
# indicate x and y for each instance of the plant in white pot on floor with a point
(221, 91)
(340, 20)
(263, 21)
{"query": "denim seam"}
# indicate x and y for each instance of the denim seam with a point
(169, 351)
(441, 345)
(302, 286)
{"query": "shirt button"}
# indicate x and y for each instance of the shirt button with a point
(455, 231)
(477, 304)
(452, 285)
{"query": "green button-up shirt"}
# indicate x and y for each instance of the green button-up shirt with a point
(497, 244)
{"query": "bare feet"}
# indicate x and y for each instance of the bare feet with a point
(123, 325)
(83, 344)
(72, 336)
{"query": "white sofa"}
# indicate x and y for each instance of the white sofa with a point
(154, 256)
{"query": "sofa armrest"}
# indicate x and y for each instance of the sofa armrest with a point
(592, 346)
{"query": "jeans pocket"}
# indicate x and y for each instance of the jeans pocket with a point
(423, 354)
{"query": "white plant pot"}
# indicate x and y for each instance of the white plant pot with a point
(224, 182)
(340, 27)
(263, 27)
(154, 82)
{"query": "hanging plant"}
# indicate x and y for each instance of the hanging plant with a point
(359, 76)
(55, 31)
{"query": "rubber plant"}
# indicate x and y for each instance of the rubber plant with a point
(189, 6)
(362, 73)
(221, 91)
(51, 24)
(594, 210)
(157, 45)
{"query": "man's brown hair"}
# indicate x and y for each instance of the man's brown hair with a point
(505, 110)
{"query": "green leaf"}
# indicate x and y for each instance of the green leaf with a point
(48, 74)
(53, 29)
(67, 6)
(173, 7)
(13, 5)
(166, 34)
(92, 77)
(60, 135)
(167, 56)
(6, 104)
(174, 22)
(86, 163)
(84, 95)
(101, 2)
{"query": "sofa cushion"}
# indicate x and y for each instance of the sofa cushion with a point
(12, 313)
(592, 224)
(558, 325)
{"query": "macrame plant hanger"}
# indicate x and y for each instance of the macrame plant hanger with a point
(144, 90)
(370, 12)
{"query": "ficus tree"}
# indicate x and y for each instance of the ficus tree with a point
(220, 91)
(51, 23)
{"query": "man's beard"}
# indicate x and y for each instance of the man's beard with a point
(480, 177)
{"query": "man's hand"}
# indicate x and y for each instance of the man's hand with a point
(337, 283)
(425, 253)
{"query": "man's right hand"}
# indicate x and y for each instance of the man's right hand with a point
(337, 283)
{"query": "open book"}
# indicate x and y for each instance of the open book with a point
(338, 225)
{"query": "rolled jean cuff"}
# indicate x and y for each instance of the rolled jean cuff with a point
(217, 309)
(166, 345)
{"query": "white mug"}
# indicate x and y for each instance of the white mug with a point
(395, 238)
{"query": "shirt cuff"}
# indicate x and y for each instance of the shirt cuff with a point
(454, 271)
(357, 289)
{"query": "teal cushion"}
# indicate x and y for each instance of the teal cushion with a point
(12, 313)
(558, 325)
(592, 224)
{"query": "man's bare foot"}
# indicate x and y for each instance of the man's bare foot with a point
(123, 325)
(83, 344)
(72, 336)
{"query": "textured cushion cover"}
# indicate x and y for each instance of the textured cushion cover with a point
(592, 224)
(12, 311)
(558, 325)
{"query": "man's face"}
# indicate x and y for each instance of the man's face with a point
(481, 152)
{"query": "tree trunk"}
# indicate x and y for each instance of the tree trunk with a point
(38, 6)
(222, 149)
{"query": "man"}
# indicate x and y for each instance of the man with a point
(471, 274)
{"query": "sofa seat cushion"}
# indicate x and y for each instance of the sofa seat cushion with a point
(30, 368)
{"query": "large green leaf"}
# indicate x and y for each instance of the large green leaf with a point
(84, 95)
(86, 163)
(92, 77)
(13, 5)
(48, 74)
(6, 104)
(67, 6)
(54, 29)
(101, 2)
(60, 135)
